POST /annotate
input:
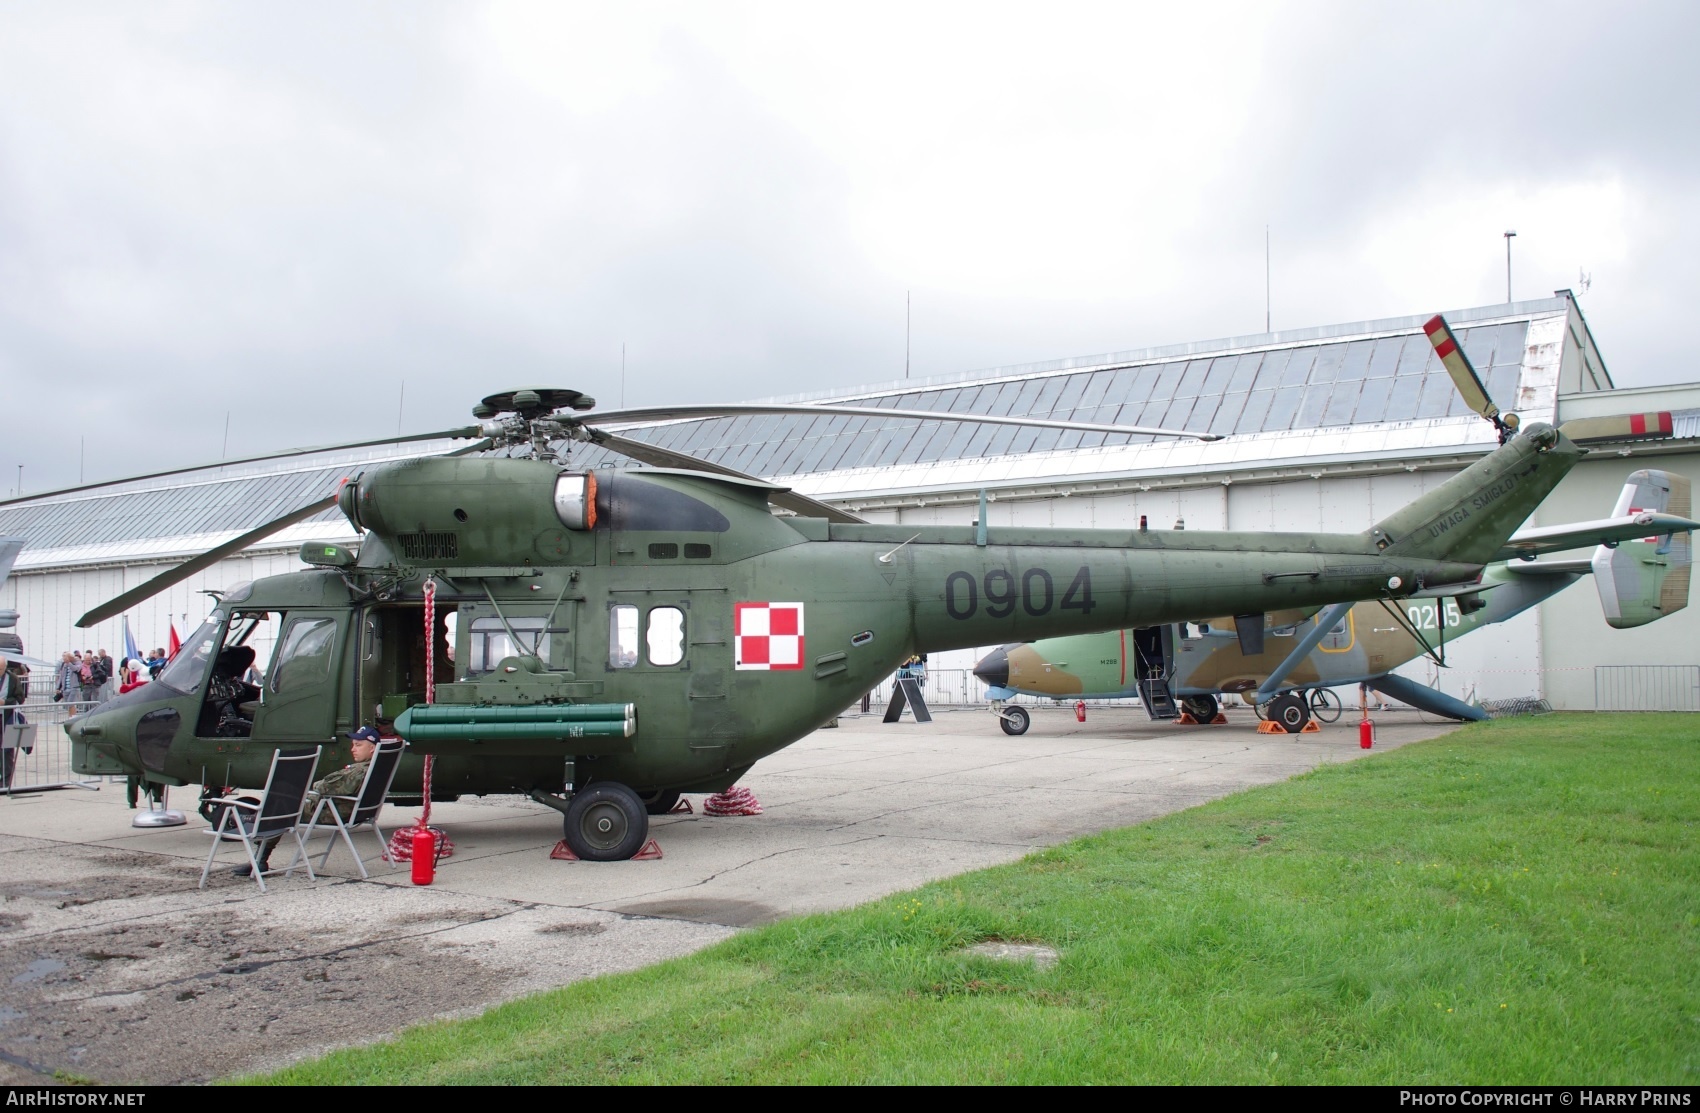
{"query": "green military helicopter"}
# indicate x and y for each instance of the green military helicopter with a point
(623, 636)
(1641, 568)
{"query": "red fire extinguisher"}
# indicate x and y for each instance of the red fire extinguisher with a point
(424, 855)
(1366, 733)
(1080, 710)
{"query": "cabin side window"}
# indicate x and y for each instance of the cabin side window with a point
(305, 655)
(622, 636)
(666, 635)
(490, 641)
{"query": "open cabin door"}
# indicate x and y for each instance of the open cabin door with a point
(298, 703)
(1153, 649)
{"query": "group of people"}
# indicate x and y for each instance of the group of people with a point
(88, 676)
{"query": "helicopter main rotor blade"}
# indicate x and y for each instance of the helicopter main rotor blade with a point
(195, 564)
(666, 458)
(440, 435)
(212, 556)
(663, 413)
(1458, 366)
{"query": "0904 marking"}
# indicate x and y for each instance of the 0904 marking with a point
(1035, 592)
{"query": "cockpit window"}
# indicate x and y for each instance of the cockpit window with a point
(490, 642)
(305, 656)
(189, 667)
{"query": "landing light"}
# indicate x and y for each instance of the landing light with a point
(575, 500)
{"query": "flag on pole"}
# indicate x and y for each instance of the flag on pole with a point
(172, 646)
(131, 653)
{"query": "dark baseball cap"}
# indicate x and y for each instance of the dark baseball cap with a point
(365, 734)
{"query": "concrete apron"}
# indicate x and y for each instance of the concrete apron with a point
(116, 968)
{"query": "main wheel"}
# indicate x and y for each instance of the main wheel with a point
(606, 822)
(660, 803)
(1203, 708)
(1014, 720)
(1289, 709)
(1325, 705)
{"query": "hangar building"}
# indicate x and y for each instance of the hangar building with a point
(1330, 428)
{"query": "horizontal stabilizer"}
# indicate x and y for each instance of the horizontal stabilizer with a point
(1530, 543)
(1576, 566)
(1426, 699)
(1452, 591)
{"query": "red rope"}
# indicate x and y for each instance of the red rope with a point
(737, 800)
(401, 845)
(430, 679)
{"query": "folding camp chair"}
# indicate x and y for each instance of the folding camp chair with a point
(277, 812)
(363, 808)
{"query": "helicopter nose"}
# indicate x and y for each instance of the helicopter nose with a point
(993, 668)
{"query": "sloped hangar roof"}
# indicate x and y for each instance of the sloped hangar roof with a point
(1273, 388)
(1370, 378)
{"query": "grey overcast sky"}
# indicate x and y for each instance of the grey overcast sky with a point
(285, 211)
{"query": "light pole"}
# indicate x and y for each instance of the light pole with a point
(1508, 236)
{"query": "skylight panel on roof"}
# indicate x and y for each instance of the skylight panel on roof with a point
(1403, 395)
(1315, 402)
(1355, 361)
(1072, 387)
(1325, 370)
(1220, 372)
(1295, 369)
(1372, 400)
(1342, 402)
(1191, 382)
(1255, 415)
(1384, 357)
(1226, 414)
(1282, 407)
(1245, 372)
(1438, 394)
(1168, 379)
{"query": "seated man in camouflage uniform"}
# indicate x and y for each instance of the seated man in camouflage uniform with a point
(344, 782)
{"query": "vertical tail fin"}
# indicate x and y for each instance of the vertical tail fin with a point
(1645, 580)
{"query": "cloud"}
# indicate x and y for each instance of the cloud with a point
(285, 213)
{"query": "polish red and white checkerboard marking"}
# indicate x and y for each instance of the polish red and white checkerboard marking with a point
(767, 636)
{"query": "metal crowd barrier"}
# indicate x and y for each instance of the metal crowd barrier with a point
(1647, 687)
(35, 755)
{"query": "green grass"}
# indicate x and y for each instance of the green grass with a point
(1515, 903)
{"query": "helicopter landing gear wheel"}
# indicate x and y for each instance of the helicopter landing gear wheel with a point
(1203, 708)
(1014, 720)
(660, 803)
(1325, 705)
(605, 822)
(1290, 710)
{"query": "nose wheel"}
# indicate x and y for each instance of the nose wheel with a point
(606, 822)
(1014, 720)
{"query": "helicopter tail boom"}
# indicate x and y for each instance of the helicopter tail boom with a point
(1468, 518)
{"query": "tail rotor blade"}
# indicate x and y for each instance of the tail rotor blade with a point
(196, 564)
(1458, 366)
